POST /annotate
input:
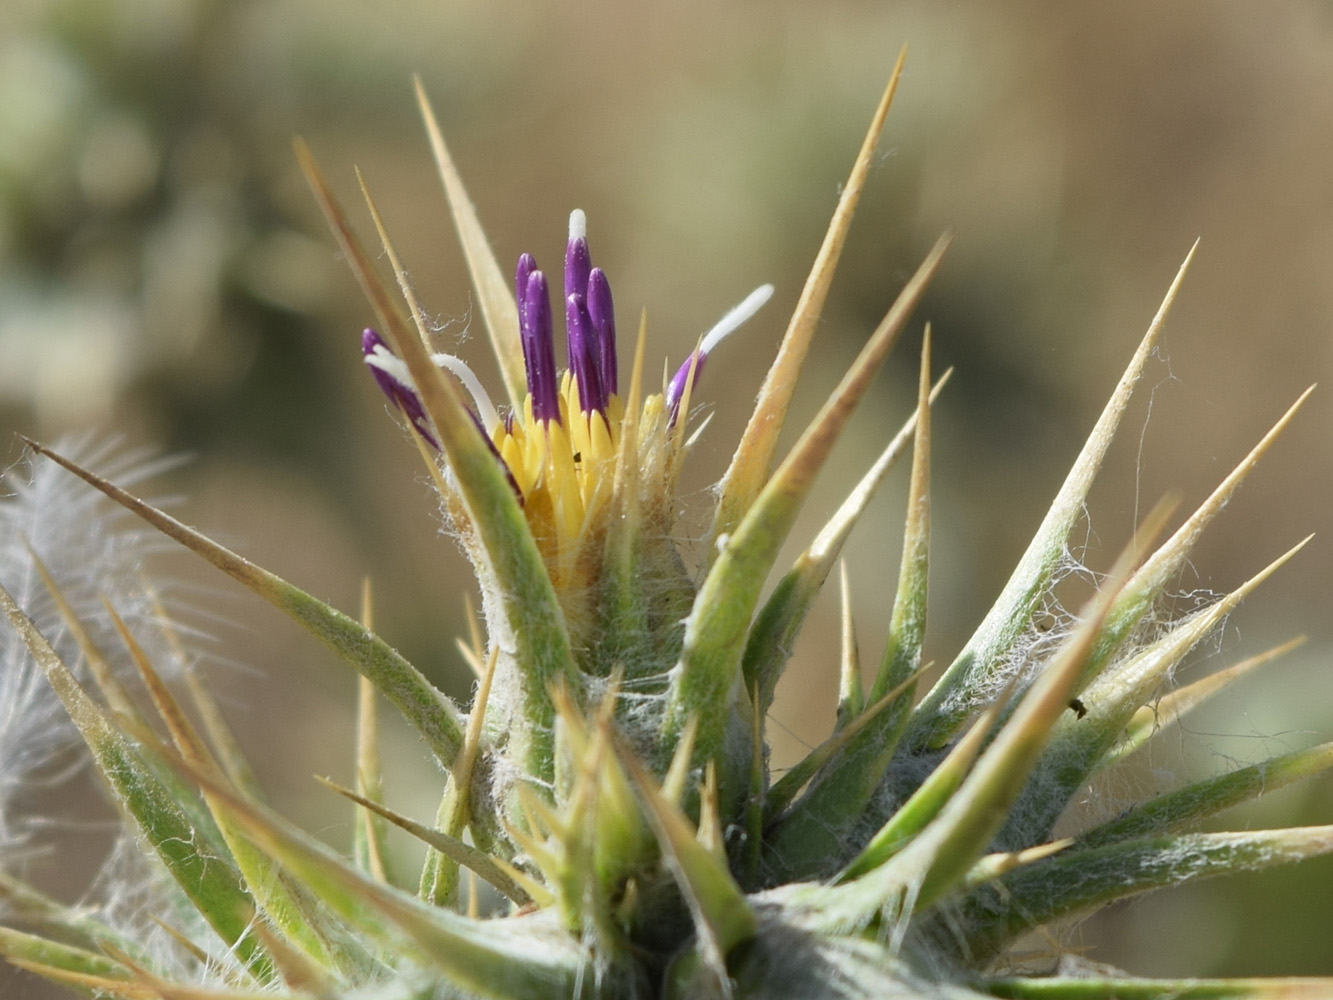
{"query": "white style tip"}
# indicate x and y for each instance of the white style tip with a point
(732, 321)
(578, 225)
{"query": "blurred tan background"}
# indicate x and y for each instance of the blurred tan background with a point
(164, 276)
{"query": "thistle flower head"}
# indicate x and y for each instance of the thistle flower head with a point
(610, 778)
(568, 443)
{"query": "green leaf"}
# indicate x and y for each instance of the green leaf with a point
(1080, 741)
(705, 681)
(773, 635)
(1205, 798)
(519, 958)
(432, 714)
(494, 291)
(812, 839)
(29, 950)
(962, 688)
(750, 463)
(1076, 881)
(211, 881)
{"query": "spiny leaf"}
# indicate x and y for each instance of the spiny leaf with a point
(87, 984)
(211, 882)
(299, 972)
(752, 819)
(1167, 562)
(606, 819)
(1079, 742)
(1151, 719)
(126, 714)
(786, 787)
(165, 989)
(992, 866)
(494, 295)
(715, 631)
(533, 631)
(723, 918)
(811, 840)
(812, 837)
(930, 797)
(851, 696)
(1077, 880)
(709, 834)
(223, 742)
(626, 605)
(29, 950)
(955, 695)
(604, 837)
(449, 845)
(71, 925)
(220, 737)
(116, 697)
(774, 632)
(1205, 798)
(753, 456)
(368, 843)
(432, 714)
(939, 856)
(492, 958)
(182, 731)
(440, 874)
(792, 960)
(907, 625)
(290, 909)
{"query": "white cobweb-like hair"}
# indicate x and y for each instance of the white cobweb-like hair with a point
(96, 553)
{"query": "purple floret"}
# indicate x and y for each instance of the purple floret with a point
(538, 340)
(583, 355)
(406, 399)
(590, 332)
(578, 263)
(602, 312)
(400, 394)
(676, 387)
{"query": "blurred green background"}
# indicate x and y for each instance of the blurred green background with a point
(164, 276)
